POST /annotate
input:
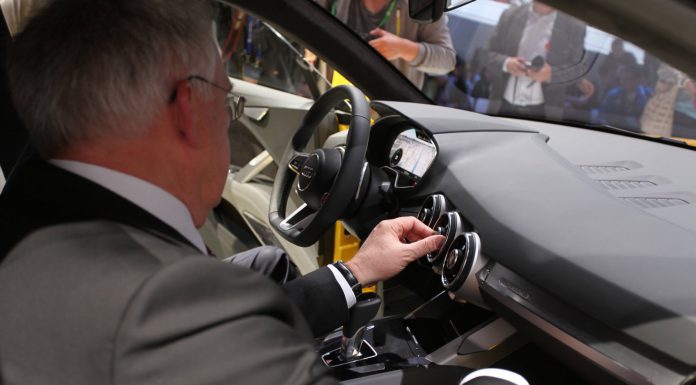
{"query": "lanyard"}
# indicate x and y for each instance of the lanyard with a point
(386, 17)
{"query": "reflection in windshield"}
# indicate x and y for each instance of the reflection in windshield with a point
(253, 51)
(526, 59)
(414, 48)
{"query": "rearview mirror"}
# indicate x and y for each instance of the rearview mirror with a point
(428, 11)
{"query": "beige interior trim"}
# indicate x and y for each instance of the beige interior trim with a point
(16, 12)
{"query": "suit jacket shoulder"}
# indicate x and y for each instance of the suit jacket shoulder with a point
(102, 303)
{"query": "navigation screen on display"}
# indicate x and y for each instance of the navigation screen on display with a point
(411, 153)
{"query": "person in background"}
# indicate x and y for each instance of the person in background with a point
(616, 61)
(532, 58)
(478, 83)
(579, 101)
(671, 109)
(415, 49)
(685, 111)
(452, 88)
(624, 104)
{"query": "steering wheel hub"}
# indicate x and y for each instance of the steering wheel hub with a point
(317, 175)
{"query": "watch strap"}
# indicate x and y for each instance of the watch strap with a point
(350, 278)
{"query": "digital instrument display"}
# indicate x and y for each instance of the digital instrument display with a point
(412, 152)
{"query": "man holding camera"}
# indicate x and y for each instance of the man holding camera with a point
(530, 47)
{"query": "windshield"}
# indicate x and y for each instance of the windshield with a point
(526, 59)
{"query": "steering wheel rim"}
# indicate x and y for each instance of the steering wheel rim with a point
(307, 224)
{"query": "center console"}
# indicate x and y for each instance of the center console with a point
(452, 334)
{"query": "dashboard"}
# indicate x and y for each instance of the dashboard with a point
(537, 230)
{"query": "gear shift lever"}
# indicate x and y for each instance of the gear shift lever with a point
(360, 314)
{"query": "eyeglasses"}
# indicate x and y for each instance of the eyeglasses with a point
(234, 103)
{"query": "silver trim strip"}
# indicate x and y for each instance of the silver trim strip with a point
(634, 368)
(362, 177)
(362, 358)
(480, 348)
(285, 225)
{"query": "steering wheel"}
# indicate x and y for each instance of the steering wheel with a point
(329, 180)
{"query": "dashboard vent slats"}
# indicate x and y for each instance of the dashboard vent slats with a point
(599, 169)
(618, 184)
(656, 203)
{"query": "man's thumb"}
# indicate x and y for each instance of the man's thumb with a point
(427, 245)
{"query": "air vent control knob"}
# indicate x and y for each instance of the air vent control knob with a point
(452, 258)
(425, 214)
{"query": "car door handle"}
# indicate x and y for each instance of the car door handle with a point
(256, 113)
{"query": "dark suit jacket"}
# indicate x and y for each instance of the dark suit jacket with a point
(113, 295)
(565, 56)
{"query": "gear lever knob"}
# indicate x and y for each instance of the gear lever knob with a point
(359, 315)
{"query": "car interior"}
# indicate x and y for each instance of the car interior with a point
(569, 251)
(553, 266)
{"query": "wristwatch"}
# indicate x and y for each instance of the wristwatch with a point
(350, 278)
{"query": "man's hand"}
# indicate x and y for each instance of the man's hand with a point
(586, 87)
(516, 66)
(690, 86)
(391, 246)
(393, 47)
(543, 75)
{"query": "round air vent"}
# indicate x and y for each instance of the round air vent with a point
(449, 225)
(460, 260)
(433, 207)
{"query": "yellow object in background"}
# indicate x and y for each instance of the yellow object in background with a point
(339, 80)
(690, 142)
(345, 247)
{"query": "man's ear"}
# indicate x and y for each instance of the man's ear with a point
(183, 107)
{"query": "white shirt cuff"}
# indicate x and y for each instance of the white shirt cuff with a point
(347, 291)
(505, 63)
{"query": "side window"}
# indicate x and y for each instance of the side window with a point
(257, 53)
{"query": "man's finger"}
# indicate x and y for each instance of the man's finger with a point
(411, 226)
(377, 32)
(426, 245)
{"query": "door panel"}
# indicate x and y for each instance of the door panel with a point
(282, 113)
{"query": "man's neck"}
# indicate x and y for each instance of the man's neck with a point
(542, 9)
(139, 161)
(375, 6)
(150, 198)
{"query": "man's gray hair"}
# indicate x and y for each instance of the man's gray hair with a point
(86, 69)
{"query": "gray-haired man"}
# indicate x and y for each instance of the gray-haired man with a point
(104, 277)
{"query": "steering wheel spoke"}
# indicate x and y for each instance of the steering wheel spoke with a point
(299, 219)
(296, 162)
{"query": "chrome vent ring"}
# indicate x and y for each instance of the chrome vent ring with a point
(432, 209)
(450, 226)
(460, 260)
